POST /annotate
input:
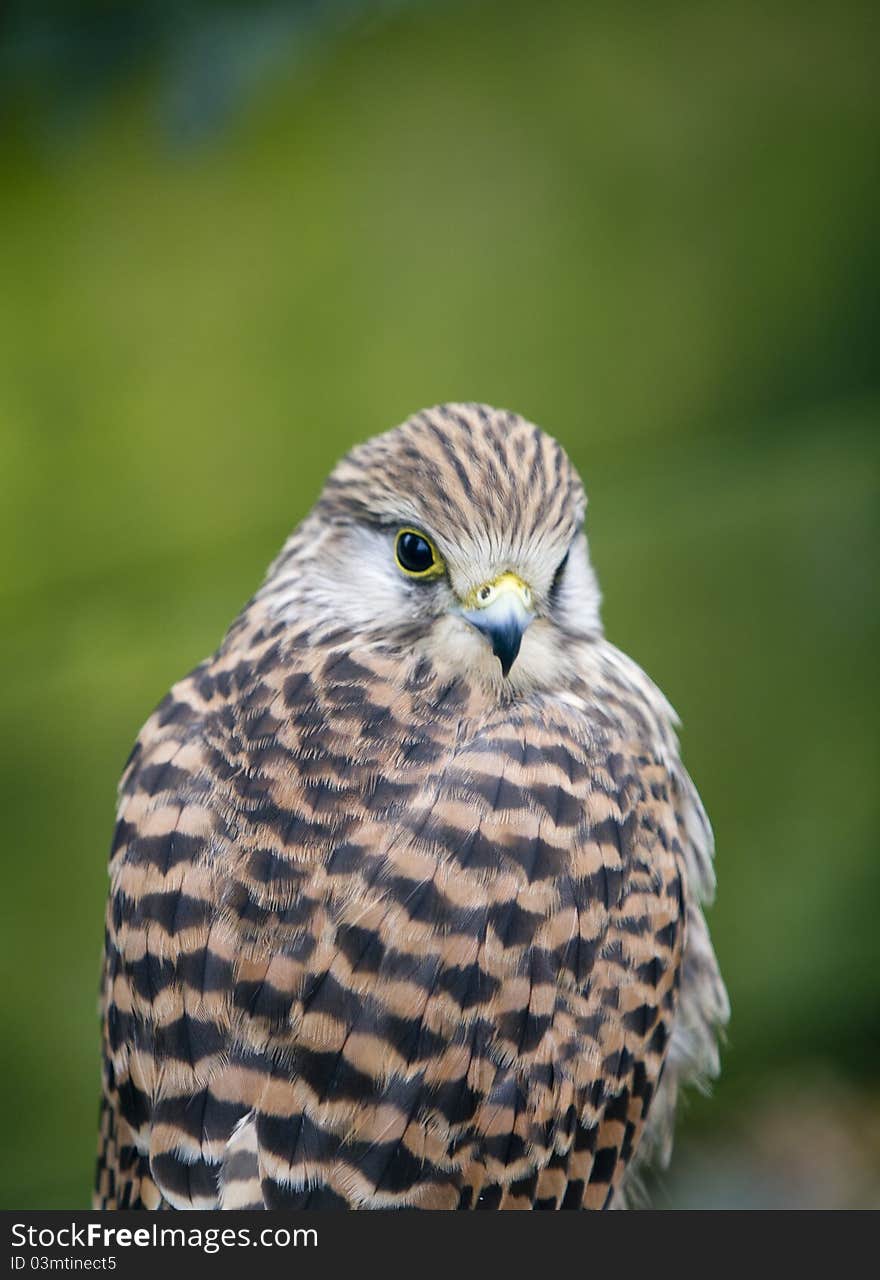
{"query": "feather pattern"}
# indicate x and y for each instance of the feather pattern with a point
(385, 930)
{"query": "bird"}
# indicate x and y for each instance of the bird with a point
(407, 882)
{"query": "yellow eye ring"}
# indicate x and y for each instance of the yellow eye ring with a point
(416, 555)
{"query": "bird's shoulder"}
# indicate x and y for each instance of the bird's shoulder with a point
(334, 886)
(279, 762)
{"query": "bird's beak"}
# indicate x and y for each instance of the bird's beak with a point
(501, 610)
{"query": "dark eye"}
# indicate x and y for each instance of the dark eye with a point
(416, 554)
(557, 577)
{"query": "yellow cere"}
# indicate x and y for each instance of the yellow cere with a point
(489, 592)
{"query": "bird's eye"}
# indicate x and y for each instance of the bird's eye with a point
(416, 555)
(558, 575)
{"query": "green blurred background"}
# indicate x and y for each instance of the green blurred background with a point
(238, 238)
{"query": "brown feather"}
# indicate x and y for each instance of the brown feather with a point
(380, 935)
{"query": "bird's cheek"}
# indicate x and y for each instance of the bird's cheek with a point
(543, 662)
(457, 650)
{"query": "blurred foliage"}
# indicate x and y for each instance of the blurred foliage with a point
(654, 229)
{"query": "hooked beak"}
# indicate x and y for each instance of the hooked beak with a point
(501, 610)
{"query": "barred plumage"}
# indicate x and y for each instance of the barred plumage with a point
(387, 928)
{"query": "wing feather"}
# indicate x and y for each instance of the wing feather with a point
(373, 944)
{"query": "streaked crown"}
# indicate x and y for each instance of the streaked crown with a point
(464, 471)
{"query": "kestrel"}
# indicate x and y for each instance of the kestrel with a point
(407, 879)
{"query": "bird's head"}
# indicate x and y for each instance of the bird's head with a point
(460, 535)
